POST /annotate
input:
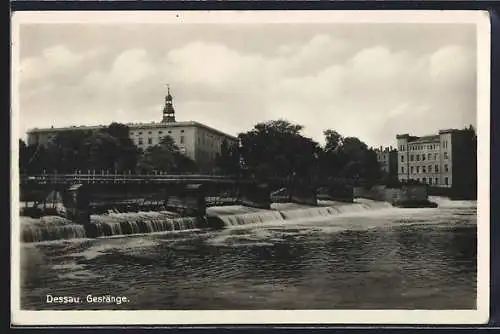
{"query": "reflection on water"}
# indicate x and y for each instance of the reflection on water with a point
(383, 259)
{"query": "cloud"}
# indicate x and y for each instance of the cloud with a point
(373, 92)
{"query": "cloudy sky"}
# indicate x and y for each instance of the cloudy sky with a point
(372, 81)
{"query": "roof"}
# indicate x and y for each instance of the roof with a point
(425, 139)
(133, 126)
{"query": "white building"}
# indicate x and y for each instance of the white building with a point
(439, 160)
(197, 141)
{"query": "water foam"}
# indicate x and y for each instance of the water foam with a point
(104, 225)
(50, 228)
(302, 213)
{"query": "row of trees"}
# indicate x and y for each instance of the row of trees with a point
(270, 149)
(109, 149)
(279, 149)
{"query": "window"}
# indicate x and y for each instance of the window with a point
(149, 132)
(435, 156)
(418, 169)
(429, 169)
(402, 169)
(140, 141)
(436, 181)
(429, 156)
(423, 169)
(445, 155)
(424, 180)
(446, 180)
(182, 131)
(169, 131)
(160, 132)
(150, 141)
(402, 158)
(423, 157)
(411, 157)
(418, 157)
(140, 132)
(436, 168)
(446, 168)
(182, 139)
(411, 169)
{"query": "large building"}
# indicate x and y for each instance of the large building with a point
(387, 158)
(441, 160)
(197, 141)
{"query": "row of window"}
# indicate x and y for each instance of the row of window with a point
(430, 180)
(424, 169)
(416, 157)
(151, 132)
(140, 140)
(423, 147)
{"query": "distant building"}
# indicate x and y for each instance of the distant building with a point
(197, 141)
(440, 160)
(387, 158)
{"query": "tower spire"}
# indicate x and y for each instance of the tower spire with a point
(168, 109)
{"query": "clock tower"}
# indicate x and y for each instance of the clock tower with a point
(168, 109)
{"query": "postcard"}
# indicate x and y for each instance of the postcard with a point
(250, 167)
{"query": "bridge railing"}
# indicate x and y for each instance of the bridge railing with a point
(90, 178)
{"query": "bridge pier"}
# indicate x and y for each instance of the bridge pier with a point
(304, 194)
(76, 201)
(187, 200)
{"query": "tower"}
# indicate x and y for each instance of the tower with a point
(168, 109)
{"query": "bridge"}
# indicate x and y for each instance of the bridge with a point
(188, 194)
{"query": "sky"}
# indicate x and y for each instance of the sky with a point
(371, 81)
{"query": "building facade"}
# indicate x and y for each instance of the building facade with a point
(198, 141)
(387, 158)
(437, 160)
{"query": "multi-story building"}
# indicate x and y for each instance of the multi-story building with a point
(440, 160)
(197, 141)
(387, 158)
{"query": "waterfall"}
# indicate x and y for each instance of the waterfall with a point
(302, 213)
(49, 228)
(137, 223)
(251, 218)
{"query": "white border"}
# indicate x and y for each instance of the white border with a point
(479, 316)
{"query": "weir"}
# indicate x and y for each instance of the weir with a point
(98, 208)
(116, 224)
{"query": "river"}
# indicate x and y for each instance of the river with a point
(356, 256)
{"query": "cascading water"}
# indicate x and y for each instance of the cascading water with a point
(301, 213)
(251, 218)
(115, 223)
(138, 222)
(49, 228)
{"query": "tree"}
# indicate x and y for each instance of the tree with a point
(128, 154)
(165, 157)
(348, 158)
(333, 139)
(68, 152)
(76, 150)
(228, 161)
(278, 149)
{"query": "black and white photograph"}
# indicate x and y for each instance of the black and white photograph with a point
(250, 167)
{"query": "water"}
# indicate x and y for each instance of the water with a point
(362, 256)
